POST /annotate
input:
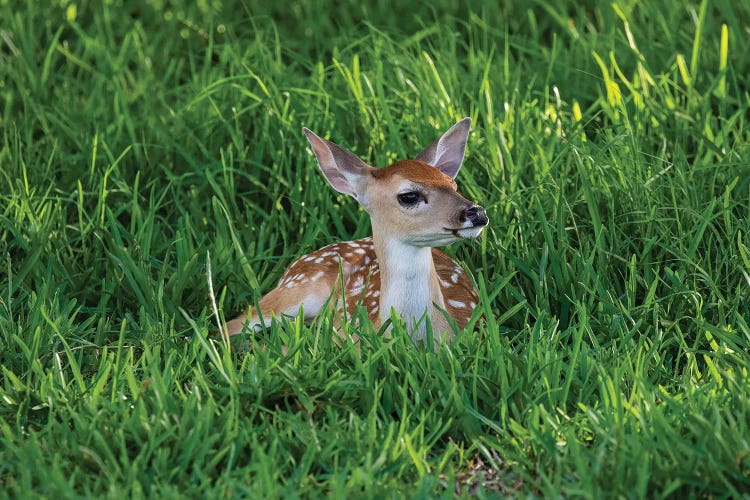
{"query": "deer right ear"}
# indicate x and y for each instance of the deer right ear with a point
(447, 153)
(342, 168)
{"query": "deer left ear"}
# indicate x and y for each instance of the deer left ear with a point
(341, 167)
(447, 153)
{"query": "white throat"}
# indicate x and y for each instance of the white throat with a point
(409, 284)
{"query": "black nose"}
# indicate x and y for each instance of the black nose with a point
(476, 214)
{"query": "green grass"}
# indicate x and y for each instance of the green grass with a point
(144, 143)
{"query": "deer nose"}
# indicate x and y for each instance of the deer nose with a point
(476, 215)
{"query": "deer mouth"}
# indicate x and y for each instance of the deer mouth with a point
(467, 233)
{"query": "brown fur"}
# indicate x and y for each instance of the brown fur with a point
(359, 265)
(418, 172)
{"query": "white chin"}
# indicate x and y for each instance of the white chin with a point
(434, 240)
(470, 232)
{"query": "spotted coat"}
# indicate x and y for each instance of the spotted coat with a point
(360, 274)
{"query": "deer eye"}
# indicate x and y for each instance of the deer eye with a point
(409, 199)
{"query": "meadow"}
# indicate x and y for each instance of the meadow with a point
(154, 180)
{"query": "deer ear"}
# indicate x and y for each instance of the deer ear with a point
(447, 153)
(342, 168)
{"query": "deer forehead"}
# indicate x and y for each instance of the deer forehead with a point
(416, 172)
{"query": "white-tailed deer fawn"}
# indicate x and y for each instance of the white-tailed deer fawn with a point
(413, 206)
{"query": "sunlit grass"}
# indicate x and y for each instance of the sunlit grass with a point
(143, 145)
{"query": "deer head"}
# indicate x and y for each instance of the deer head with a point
(415, 202)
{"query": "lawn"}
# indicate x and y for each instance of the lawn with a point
(154, 176)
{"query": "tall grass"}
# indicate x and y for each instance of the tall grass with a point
(145, 143)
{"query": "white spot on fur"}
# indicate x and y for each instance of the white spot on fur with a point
(454, 277)
(456, 303)
(472, 304)
(358, 285)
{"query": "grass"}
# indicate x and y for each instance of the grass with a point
(146, 143)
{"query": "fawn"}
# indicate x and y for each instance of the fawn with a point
(413, 206)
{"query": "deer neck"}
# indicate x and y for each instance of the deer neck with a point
(410, 285)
